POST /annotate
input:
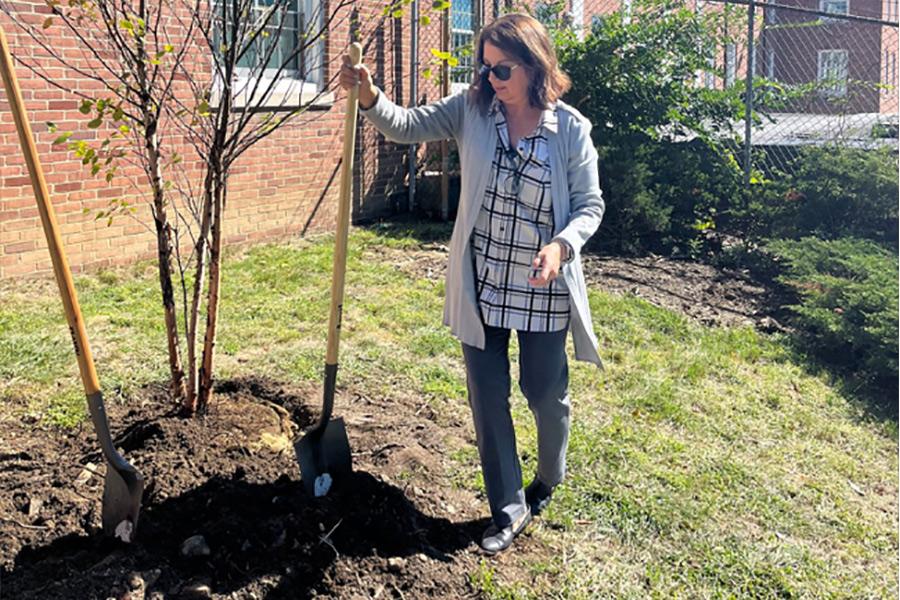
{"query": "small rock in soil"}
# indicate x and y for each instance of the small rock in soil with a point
(195, 546)
(135, 581)
(396, 564)
(34, 507)
(196, 589)
(85, 475)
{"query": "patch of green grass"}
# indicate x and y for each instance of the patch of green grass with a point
(703, 462)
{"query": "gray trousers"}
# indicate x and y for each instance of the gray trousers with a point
(544, 381)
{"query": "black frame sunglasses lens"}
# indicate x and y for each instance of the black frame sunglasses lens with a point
(501, 72)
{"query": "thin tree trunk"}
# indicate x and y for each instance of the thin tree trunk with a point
(150, 117)
(164, 256)
(190, 401)
(212, 304)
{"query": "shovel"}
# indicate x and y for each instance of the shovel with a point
(324, 451)
(124, 486)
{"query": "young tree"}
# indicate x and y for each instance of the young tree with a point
(155, 98)
(149, 94)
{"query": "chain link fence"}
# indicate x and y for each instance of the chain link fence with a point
(832, 62)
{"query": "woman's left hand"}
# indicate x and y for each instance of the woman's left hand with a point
(545, 265)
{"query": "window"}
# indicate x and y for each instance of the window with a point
(627, 10)
(889, 72)
(730, 64)
(462, 38)
(837, 7)
(578, 18)
(709, 76)
(286, 22)
(833, 72)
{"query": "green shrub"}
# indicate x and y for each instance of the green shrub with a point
(847, 308)
(828, 192)
(633, 80)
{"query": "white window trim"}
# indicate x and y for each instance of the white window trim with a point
(578, 19)
(770, 64)
(842, 91)
(627, 11)
(730, 64)
(889, 73)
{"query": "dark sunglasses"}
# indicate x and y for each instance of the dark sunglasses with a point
(501, 72)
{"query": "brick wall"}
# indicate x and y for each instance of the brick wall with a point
(286, 185)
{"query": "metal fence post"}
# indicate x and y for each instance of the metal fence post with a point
(413, 94)
(445, 91)
(748, 96)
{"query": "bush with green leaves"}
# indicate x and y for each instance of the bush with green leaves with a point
(829, 192)
(633, 78)
(847, 290)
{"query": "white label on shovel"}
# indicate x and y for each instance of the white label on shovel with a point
(124, 530)
(321, 485)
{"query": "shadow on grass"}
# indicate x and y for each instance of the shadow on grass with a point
(876, 397)
(411, 227)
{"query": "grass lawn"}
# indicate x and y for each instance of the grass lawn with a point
(704, 462)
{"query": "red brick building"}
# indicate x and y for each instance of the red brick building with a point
(847, 58)
(286, 185)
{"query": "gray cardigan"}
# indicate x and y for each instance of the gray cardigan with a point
(577, 202)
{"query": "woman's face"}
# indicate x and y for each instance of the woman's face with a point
(513, 91)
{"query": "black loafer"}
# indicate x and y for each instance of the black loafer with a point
(497, 540)
(538, 496)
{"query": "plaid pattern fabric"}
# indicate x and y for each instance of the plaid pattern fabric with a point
(514, 223)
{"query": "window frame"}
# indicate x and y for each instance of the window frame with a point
(295, 87)
(824, 4)
(466, 67)
(832, 92)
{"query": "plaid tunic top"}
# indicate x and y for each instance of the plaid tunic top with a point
(515, 221)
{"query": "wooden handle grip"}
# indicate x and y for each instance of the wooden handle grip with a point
(343, 217)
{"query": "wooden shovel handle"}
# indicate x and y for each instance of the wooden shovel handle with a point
(48, 220)
(343, 217)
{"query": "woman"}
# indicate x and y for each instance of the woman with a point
(530, 198)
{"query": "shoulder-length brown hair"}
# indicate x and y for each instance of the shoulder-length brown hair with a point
(524, 40)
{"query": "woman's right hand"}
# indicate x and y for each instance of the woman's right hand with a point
(360, 76)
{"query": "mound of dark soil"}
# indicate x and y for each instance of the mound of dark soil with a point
(231, 478)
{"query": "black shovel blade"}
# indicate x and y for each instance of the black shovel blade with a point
(124, 485)
(324, 457)
(122, 493)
